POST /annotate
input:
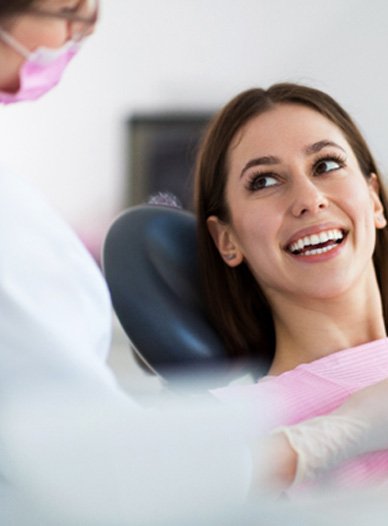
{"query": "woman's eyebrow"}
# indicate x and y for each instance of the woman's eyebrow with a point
(266, 159)
(318, 146)
(271, 159)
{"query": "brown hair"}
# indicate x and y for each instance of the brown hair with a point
(14, 7)
(234, 300)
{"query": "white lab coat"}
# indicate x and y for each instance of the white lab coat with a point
(74, 448)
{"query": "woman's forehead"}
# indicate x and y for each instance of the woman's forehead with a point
(284, 126)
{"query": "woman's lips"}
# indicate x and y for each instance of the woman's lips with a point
(317, 243)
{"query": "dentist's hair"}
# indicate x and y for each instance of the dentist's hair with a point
(234, 301)
(14, 7)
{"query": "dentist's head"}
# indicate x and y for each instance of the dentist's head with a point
(37, 40)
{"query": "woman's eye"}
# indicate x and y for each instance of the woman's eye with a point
(259, 182)
(327, 165)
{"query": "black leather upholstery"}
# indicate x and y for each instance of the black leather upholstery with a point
(150, 263)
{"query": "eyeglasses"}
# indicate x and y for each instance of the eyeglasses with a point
(80, 19)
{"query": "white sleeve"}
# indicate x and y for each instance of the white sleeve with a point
(99, 461)
(73, 447)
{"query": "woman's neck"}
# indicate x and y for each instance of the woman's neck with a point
(309, 330)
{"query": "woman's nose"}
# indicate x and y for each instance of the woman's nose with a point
(307, 198)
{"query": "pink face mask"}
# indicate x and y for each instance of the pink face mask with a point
(41, 71)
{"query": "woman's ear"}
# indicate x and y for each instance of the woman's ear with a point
(224, 241)
(378, 209)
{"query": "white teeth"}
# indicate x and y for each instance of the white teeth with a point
(300, 244)
(314, 251)
(316, 239)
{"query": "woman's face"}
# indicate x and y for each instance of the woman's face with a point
(302, 215)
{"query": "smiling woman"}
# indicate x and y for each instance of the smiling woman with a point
(277, 169)
(293, 250)
(308, 192)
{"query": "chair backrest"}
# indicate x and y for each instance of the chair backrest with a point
(150, 264)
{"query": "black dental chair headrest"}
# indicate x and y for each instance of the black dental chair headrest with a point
(150, 264)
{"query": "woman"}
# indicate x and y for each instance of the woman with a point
(293, 249)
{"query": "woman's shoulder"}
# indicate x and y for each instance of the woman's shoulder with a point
(314, 388)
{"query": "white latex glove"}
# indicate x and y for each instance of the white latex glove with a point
(359, 426)
(274, 464)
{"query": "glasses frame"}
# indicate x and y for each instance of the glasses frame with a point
(69, 17)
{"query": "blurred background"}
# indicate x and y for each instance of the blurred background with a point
(153, 64)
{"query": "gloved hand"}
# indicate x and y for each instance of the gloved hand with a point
(274, 466)
(358, 426)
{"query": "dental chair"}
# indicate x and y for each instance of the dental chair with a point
(150, 264)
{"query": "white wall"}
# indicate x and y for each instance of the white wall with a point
(187, 54)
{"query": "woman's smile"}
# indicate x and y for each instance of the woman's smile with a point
(316, 244)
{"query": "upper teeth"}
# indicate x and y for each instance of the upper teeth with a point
(316, 239)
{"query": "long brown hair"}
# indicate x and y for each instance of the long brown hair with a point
(235, 302)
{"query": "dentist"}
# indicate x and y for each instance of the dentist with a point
(74, 447)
